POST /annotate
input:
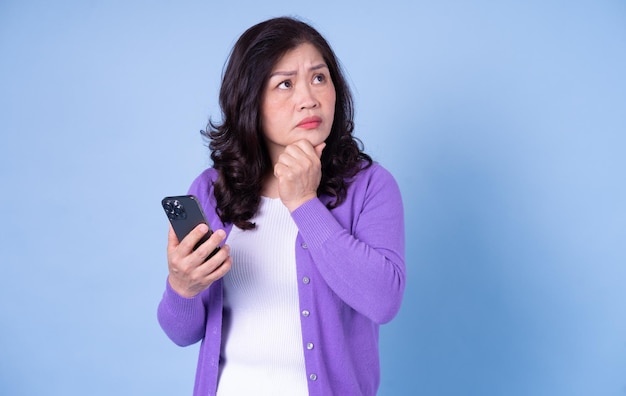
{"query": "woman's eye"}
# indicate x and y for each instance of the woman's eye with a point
(319, 78)
(284, 85)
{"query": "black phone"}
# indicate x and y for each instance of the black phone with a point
(185, 213)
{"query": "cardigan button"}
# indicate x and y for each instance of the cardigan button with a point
(313, 377)
(309, 346)
(305, 313)
(306, 280)
(304, 245)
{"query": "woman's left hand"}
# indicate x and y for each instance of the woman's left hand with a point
(299, 171)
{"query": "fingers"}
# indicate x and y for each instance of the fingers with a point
(203, 251)
(172, 241)
(299, 171)
(221, 270)
(192, 239)
(191, 271)
(299, 157)
(217, 266)
(303, 149)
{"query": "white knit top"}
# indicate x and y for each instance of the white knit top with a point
(262, 351)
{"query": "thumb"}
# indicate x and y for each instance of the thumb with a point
(172, 240)
(319, 148)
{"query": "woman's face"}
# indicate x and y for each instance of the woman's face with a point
(298, 101)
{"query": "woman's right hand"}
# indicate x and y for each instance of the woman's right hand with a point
(189, 273)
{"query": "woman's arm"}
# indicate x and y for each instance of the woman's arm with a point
(182, 319)
(358, 248)
(183, 309)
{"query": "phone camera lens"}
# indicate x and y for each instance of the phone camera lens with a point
(178, 210)
(174, 209)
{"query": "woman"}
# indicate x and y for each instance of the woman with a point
(315, 254)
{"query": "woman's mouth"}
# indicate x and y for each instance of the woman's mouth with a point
(310, 123)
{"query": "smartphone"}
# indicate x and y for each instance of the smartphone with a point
(185, 213)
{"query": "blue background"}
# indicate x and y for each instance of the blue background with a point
(503, 123)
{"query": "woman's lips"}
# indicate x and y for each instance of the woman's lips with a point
(310, 123)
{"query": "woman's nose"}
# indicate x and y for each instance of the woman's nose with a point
(306, 98)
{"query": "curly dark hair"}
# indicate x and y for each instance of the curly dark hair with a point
(237, 145)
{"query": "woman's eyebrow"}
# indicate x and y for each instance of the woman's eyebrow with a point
(293, 72)
(283, 73)
(320, 66)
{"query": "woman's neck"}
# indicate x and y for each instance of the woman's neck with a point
(270, 186)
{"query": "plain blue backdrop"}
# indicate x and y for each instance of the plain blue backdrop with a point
(503, 122)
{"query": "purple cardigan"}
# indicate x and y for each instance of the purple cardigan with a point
(351, 278)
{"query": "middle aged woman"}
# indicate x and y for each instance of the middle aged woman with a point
(314, 260)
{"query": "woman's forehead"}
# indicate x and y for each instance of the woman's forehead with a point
(303, 53)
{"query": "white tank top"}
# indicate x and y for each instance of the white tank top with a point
(262, 351)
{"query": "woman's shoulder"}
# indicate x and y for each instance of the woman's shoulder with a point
(373, 172)
(372, 180)
(203, 183)
(209, 174)
(202, 188)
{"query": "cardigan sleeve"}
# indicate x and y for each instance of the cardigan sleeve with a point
(182, 319)
(359, 247)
